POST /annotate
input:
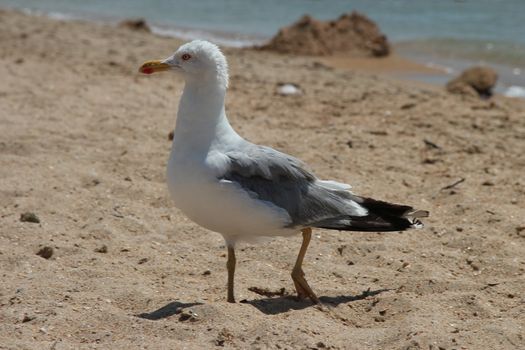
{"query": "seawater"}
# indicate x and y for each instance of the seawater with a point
(450, 33)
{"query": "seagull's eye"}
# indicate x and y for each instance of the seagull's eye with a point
(186, 57)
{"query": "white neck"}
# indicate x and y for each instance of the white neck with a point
(201, 120)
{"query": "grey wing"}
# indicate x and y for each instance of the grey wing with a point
(283, 180)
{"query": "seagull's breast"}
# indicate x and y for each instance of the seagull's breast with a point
(219, 205)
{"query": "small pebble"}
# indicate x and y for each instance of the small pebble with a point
(289, 89)
(188, 315)
(29, 217)
(45, 252)
(408, 105)
(102, 249)
(28, 318)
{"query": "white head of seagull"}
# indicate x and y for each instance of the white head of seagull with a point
(199, 61)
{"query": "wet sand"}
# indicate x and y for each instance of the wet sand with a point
(392, 64)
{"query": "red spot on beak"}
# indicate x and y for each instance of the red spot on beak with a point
(147, 70)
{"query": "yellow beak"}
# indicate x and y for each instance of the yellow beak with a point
(153, 66)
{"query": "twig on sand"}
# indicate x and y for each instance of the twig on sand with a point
(431, 144)
(268, 293)
(453, 184)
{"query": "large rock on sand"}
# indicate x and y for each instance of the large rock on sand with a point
(475, 81)
(352, 33)
(138, 24)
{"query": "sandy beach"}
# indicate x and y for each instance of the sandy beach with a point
(84, 145)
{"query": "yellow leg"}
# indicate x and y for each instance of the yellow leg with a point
(301, 285)
(230, 265)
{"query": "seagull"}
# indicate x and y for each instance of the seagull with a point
(241, 190)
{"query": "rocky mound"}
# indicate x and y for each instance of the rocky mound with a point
(352, 33)
(475, 81)
(139, 24)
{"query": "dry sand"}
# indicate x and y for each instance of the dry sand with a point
(83, 145)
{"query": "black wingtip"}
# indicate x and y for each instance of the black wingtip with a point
(382, 217)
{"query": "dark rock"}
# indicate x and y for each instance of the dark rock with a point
(408, 105)
(29, 217)
(102, 249)
(28, 318)
(45, 252)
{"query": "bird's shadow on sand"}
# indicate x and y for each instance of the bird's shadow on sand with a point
(167, 310)
(268, 306)
(278, 305)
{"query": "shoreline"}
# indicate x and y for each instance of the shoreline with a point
(400, 64)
